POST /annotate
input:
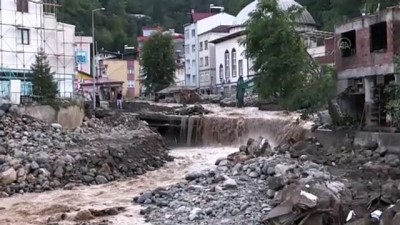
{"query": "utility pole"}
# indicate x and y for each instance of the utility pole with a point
(94, 70)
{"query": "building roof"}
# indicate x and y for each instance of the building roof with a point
(102, 81)
(84, 73)
(305, 17)
(196, 16)
(174, 89)
(228, 37)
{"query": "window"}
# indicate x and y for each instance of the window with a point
(193, 48)
(187, 34)
(347, 43)
(206, 62)
(131, 70)
(187, 50)
(234, 72)
(22, 6)
(378, 34)
(23, 36)
(194, 63)
(201, 62)
(201, 46)
(49, 6)
(187, 64)
(241, 67)
(205, 45)
(131, 83)
(227, 62)
(221, 73)
(193, 33)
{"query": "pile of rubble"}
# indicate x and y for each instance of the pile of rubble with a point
(36, 157)
(196, 109)
(371, 157)
(250, 100)
(264, 185)
(242, 189)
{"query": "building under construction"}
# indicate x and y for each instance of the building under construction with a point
(26, 27)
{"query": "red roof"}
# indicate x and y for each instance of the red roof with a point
(199, 16)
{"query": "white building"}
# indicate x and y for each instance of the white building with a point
(25, 28)
(180, 76)
(200, 23)
(207, 64)
(231, 61)
(83, 46)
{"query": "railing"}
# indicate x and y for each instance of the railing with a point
(22, 98)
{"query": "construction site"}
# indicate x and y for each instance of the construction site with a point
(27, 27)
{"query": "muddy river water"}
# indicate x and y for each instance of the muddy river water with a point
(37, 208)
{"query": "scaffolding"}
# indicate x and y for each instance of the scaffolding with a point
(26, 27)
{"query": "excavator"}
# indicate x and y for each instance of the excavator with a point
(245, 86)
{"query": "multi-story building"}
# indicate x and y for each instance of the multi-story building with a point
(231, 61)
(207, 68)
(117, 67)
(26, 27)
(83, 48)
(179, 51)
(366, 49)
(199, 23)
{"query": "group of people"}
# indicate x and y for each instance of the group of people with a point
(88, 97)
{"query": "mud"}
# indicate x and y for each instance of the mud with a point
(36, 209)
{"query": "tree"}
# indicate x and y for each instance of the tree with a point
(158, 62)
(280, 59)
(277, 50)
(43, 80)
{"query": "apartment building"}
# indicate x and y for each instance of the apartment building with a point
(26, 27)
(199, 24)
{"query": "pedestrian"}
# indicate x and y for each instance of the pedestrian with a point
(119, 100)
(97, 99)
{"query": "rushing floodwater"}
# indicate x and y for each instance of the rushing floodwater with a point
(37, 208)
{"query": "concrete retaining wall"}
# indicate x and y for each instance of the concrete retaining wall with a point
(333, 138)
(389, 140)
(69, 116)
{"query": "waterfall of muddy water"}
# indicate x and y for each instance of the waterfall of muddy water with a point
(236, 129)
(184, 129)
(36, 208)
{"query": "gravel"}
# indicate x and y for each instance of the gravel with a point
(232, 193)
(36, 157)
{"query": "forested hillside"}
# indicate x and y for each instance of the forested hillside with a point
(118, 25)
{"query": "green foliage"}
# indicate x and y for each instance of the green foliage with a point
(43, 80)
(277, 51)
(328, 13)
(392, 107)
(284, 68)
(116, 26)
(158, 62)
(315, 93)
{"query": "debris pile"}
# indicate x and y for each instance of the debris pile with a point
(36, 157)
(196, 109)
(250, 100)
(80, 216)
(369, 157)
(238, 191)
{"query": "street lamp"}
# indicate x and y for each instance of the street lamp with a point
(94, 71)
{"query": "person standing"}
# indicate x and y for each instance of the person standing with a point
(240, 90)
(97, 99)
(119, 100)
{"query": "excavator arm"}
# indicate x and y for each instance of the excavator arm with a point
(249, 84)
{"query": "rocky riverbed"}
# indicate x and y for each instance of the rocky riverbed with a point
(261, 185)
(36, 157)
